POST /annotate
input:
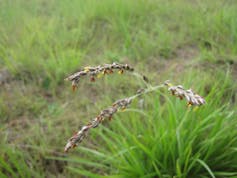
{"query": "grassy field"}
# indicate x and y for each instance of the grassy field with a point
(190, 42)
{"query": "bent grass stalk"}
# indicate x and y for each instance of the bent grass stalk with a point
(192, 98)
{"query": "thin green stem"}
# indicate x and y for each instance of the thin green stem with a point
(148, 90)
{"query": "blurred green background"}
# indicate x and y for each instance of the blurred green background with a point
(190, 42)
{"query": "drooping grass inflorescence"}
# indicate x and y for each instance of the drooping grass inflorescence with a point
(97, 71)
(192, 98)
(104, 114)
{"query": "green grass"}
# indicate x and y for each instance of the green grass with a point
(64, 33)
(165, 139)
(193, 43)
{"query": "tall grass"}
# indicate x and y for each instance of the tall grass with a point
(165, 139)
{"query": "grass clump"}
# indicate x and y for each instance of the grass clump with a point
(192, 98)
(198, 142)
(167, 140)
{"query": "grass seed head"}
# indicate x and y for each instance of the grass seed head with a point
(97, 71)
(104, 114)
(192, 98)
(178, 91)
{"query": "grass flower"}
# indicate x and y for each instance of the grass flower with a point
(104, 114)
(97, 71)
(191, 97)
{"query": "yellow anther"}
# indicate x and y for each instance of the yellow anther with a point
(104, 72)
(100, 75)
(87, 69)
(120, 71)
(122, 108)
(169, 84)
(189, 104)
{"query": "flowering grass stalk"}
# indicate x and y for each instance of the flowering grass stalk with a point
(192, 98)
(97, 71)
